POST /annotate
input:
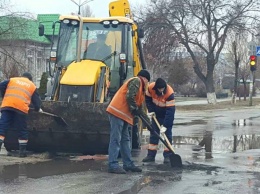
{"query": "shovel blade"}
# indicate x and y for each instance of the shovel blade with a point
(61, 121)
(176, 161)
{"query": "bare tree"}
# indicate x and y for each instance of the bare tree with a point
(202, 26)
(163, 52)
(244, 76)
(158, 47)
(238, 54)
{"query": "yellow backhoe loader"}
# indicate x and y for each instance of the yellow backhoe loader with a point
(83, 80)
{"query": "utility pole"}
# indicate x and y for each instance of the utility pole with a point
(81, 4)
(251, 86)
(252, 63)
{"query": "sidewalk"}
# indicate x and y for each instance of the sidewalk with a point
(196, 101)
(183, 102)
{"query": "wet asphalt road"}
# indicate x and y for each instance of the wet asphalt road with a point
(228, 163)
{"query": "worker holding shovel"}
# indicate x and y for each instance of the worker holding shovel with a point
(161, 104)
(123, 111)
(18, 93)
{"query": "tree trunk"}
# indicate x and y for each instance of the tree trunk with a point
(211, 95)
(245, 91)
(235, 83)
(234, 95)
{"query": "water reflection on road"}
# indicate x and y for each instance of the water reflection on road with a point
(229, 161)
(223, 130)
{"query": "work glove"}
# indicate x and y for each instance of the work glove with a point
(150, 115)
(163, 129)
(40, 110)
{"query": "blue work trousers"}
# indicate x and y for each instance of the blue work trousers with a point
(119, 141)
(155, 140)
(11, 118)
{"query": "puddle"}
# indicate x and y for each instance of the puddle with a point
(192, 122)
(49, 168)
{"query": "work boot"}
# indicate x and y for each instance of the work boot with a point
(148, 159)
(132, 168)
(22, 151)
(166, 160)
(118, 170)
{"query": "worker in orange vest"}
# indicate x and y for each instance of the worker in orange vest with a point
(18, 93)
(160, 102)
(124, 109)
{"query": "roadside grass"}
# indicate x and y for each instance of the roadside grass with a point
(240, 104)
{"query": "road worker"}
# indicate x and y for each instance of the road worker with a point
(18, 93)
(161, 104)
(123, 110)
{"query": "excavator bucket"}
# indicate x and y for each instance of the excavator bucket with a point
(87, 131)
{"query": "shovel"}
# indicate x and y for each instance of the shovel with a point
(57, 118)
(175, 159)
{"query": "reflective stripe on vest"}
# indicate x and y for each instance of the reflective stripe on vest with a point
(153, 147)
(121, 112)
(22, 141)
(2, 138)
(18, 94)
(119, 106)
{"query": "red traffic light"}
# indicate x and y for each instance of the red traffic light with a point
(252, 57)
(252, 62)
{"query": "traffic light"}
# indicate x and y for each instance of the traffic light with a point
(252, 62)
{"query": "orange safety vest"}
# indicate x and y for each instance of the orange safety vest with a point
(118, 105)
(18, 94)
(160, 100)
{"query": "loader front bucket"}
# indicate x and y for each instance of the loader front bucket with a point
(87, 131)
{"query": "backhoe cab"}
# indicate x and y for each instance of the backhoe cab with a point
(89, 49)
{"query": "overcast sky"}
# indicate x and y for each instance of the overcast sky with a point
(98, 7)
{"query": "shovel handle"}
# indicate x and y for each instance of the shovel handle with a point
(150, 128)
(163, 134)
(167, 140)
(156, 121)
(50, 114)
(57, 118)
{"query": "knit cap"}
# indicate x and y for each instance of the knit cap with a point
(160, 83)
(144, 73)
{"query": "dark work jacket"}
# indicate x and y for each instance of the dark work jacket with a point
(155, 103)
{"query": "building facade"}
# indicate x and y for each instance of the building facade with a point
(21, 47)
